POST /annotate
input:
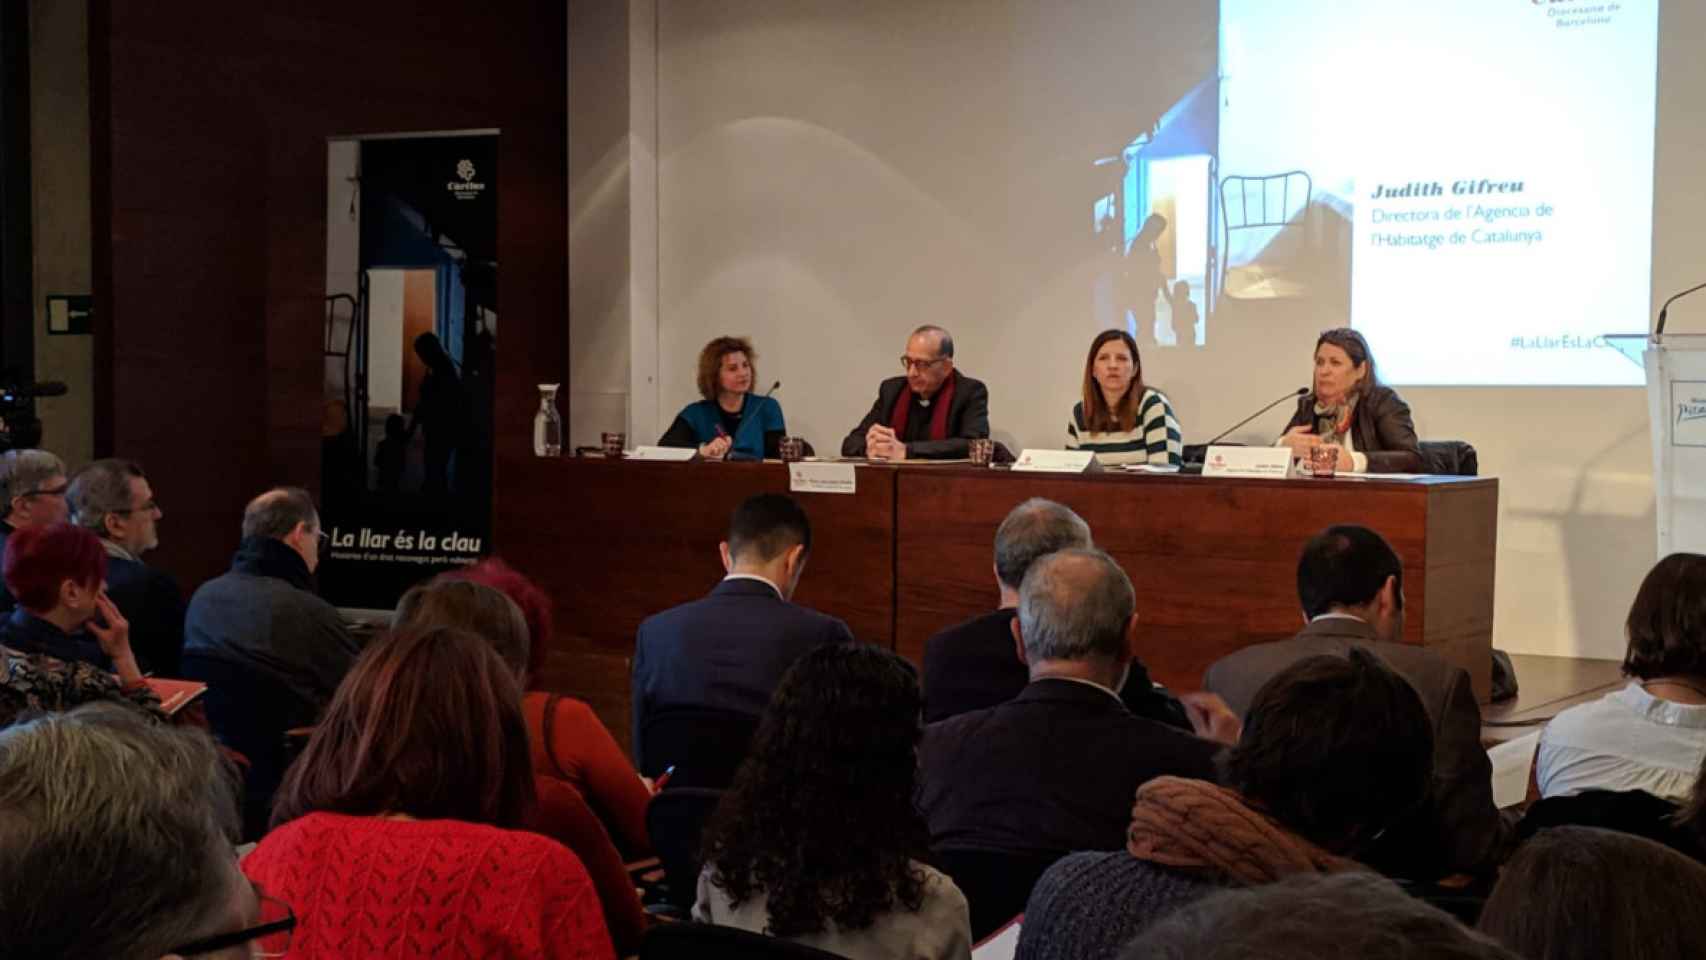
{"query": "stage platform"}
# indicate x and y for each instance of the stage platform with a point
(1546, 685)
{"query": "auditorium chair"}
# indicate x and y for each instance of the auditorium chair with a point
(1452, 458)
(704, 941)
(675, 819)
(705, 746)
(250, 713)
(996, 885)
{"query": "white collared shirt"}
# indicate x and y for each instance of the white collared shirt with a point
(1337, 615)
(753, 576)
(1626, 740)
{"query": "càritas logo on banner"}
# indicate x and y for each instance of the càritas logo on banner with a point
(468, 188)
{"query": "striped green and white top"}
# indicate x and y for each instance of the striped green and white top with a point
(1156, 438)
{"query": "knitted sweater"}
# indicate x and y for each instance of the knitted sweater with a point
(1089, 905)
(1155, 438)
(373, 887)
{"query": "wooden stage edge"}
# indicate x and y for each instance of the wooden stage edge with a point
(1546, 686)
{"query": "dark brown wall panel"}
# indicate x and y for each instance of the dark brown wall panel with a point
(210, 122)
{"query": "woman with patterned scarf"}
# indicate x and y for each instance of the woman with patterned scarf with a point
(1349, 410)
(1334, 751)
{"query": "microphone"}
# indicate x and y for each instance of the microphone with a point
(1662, 310)
(1300, 391)
(773, 388)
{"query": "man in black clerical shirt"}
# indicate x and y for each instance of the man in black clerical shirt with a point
(975, 665)
(930, 414)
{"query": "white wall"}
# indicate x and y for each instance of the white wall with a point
(830, 175)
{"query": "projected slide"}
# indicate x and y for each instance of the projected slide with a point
(1468, 182)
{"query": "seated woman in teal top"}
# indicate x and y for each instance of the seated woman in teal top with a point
(731, 422)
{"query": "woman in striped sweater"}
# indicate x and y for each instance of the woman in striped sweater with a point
(1120, 419)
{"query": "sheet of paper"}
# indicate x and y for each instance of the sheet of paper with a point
(1511, 763)
(1000, 945)
(813, 477)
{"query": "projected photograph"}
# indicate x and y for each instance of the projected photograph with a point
(1418, 191)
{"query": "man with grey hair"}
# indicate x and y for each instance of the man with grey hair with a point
(931, 413)
(263, 614)
(33, 483)
(1054, 770)
(973, 665)
(118, 843)
(112, 498)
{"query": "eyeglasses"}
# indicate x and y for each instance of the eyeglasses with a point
(910, 363)
(58, 491)
(322, 536)
(148, 507)
(271, 936)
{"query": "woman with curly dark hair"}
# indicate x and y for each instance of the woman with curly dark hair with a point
(819, 840)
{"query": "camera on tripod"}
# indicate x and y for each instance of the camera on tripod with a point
(20, 428)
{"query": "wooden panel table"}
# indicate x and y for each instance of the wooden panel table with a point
(613, 542)
(1214, 561)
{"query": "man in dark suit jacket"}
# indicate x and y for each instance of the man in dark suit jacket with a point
(728, 650)
(1351, 585)
(930, 414)
(112, 498)
(974, 665)
(1055, 769)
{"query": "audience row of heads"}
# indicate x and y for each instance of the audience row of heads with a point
(101, 807)
(110, 497)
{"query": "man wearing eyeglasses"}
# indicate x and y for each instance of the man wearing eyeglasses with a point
(112, 499)
(33, 483)
(931, 413)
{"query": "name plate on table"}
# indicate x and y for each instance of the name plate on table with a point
(664, 454)
(1055, 461)
(1247, 462)
(814, 477)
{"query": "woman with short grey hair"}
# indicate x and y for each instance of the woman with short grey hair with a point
(118, 839)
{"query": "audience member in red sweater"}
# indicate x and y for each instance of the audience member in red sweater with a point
(397, 829)
(568, 740)
(563, 813)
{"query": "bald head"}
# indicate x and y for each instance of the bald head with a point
(278, 511)
(286, 514)
(1076, 605)
(935, 338)
(1035, 529)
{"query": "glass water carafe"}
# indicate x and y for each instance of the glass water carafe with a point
(548, 424)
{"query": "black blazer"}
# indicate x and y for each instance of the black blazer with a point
(1381, 428)
(1052, 771)
(153, 603)
(726, 651)
(968, 419)
(974, 666)
(1461, 830)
